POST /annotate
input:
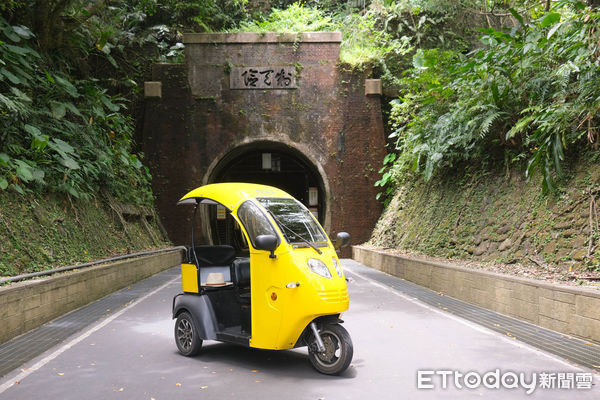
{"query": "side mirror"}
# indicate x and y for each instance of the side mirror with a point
(343, 240)
(266, 242)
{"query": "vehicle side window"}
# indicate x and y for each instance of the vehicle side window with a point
(255, 221)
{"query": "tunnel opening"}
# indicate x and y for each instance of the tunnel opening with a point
(272, 164)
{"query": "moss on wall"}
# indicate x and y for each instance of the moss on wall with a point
(498, 217)
(38, 233)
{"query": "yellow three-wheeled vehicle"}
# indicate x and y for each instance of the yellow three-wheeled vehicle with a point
(279, 286)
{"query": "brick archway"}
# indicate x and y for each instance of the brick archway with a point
(241, 95)
(292, 169)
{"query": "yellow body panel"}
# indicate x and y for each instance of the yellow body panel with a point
(277, 324)
(189, 278)
(279, 314)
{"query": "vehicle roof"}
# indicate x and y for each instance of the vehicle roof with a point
(231, 194)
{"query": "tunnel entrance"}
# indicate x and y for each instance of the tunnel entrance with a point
(275, 165)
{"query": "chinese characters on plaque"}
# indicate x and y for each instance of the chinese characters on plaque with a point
(263, 77)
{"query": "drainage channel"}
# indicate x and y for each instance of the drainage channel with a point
(21, 349)
(581, 352)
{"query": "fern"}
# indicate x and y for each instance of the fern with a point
(537, 87)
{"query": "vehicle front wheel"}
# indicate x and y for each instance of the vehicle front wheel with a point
(186, 335)
(338, 350)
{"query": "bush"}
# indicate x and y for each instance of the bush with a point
(529, 93)
(60, 134)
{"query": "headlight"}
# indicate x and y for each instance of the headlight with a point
(319, 267)
(337, 266)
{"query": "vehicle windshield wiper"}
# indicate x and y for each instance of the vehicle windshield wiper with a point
(294, 233)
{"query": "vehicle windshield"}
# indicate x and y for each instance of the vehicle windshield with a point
(255, 221)
(300, 224)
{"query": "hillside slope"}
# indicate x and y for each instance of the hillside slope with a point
(41, 232)
(499, 218)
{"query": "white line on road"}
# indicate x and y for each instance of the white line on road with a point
(467, 323)
(74, 341)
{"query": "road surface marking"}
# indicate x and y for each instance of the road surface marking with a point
(467, 323)
(24, 374)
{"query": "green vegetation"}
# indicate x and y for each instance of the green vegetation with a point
(491, 217)
(70, 76)
(62, 134)
(295, 18)
(49, 231)
(528, 92)
(364, 42)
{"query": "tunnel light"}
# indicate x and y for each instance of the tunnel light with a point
(313, 196)
(266, 161)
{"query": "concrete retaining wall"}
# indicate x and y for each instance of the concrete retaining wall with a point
(565, 309)
(29, 304)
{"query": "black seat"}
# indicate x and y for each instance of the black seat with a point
(241, 272)
(211, 255)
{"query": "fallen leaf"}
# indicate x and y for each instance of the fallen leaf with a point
(178, 384)
(589, 344)
(61, 373)
(203, 387)
(17, 383)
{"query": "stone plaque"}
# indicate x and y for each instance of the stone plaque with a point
(262, 78)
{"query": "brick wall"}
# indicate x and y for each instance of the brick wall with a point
(565, 309)
(327, 118)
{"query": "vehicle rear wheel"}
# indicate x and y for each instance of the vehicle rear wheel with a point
(186, 335)
(338, 350)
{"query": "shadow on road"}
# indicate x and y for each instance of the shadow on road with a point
(283, 363)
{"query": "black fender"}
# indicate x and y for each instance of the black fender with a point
(201, 310)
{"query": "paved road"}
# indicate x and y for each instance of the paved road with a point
(132, 355)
